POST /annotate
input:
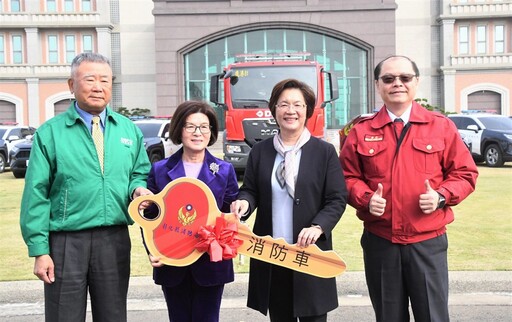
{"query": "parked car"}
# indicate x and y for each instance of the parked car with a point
(10, 135)
(343, 132)
(19, 156)
(489, 136)
(156, 138)
(3, 156)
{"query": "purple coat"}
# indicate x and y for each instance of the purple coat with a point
(224, 186)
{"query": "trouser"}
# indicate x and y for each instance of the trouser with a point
(190, 302)
(281, 298)
(95, 260)
(397, 274)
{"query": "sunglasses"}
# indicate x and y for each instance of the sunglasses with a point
(404, 78)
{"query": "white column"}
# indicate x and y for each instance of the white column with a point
(104, 41)
(33, 102)
(33, 47)
(449, 90)
(447, 35)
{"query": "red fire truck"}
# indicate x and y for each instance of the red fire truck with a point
(244, 93)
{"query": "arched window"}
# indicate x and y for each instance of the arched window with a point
(348, 61)
(487, 101)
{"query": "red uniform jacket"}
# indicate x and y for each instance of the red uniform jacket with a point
(431, 149)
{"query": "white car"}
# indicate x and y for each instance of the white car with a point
(156, 138)
(488, 136)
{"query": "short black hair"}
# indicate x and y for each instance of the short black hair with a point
(376, 72)
(183, 111)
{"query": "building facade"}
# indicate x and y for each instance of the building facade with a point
(39, 39)
(476, 55)
(198, 39)
(165, 51)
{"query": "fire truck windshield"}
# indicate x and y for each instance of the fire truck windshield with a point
(253, 85)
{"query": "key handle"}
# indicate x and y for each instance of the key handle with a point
(184, 205)
(187, 204)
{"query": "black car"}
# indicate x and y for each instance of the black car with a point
(3, 155)
(10, 135)
(19, 156)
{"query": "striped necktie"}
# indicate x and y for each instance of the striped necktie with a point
(97, 137)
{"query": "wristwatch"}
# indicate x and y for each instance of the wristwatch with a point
(441, 202)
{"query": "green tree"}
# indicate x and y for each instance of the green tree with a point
(424, 102)
(140, 112)
(124, 111)
(133, 112)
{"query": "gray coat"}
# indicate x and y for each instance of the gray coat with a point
(320, 199)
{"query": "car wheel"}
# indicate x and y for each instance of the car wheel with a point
(493, 156)
(2, 163)
(155, 157)
(18, 174)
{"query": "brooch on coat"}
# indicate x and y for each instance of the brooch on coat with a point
(214, 168)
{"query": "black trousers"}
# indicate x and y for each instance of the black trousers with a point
(191, 302)
(281, 298)
(95, 260)
(397, 274)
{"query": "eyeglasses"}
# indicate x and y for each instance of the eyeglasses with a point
(203, 128)
(404, 78)
(296, 106)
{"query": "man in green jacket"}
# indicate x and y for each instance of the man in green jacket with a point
(74, 216)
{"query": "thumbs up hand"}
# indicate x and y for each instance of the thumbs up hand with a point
(377, 204)
(429, 200)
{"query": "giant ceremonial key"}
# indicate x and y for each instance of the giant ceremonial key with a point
(189, 223)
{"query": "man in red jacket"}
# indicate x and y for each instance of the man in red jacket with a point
(404, 167)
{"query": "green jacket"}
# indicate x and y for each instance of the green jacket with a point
(65, 189)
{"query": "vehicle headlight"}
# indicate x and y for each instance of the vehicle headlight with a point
(14, 150)
(508, 136)
(233, 149)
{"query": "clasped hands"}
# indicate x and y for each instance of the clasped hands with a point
(428, 201)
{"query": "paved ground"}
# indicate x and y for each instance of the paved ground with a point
(474, 296)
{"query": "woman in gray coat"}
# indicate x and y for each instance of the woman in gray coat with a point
(296, 182)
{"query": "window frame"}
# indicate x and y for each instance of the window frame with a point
(481, 44)
(54, 9)
(67, 4)
(462, 42)
(12, 8)
(17, 53)
(2, 48)
(70, 52)
(53, 51)
(501, 41)
(84, 49)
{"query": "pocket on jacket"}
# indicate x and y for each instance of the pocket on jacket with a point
(375, 164)
(427, 154)
(63, 201)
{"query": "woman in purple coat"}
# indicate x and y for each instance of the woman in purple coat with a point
(194, 292)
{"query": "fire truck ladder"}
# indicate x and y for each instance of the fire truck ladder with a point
(272, 56)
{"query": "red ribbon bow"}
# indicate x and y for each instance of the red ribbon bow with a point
(220, 241)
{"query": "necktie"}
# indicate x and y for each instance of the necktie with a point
(399, 126)
(97, 137)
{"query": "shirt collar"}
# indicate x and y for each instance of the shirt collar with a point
(405, 116)
(87, 117)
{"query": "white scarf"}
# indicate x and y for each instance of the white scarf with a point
(285, 172)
